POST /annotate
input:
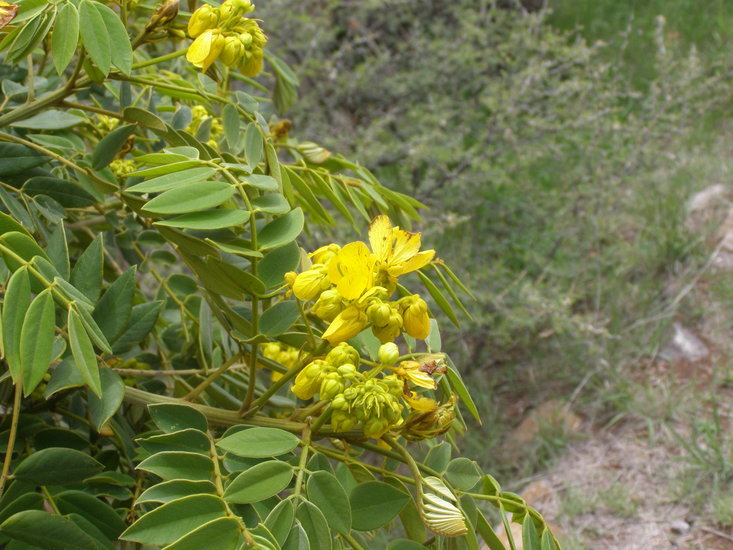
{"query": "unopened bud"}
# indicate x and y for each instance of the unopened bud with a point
(388, 353)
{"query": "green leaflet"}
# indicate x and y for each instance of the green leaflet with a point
(191, 198)
(83, 352)
(120, 47)
(259, 482)
(65, 36)
(175, 519)
(95, 36)
(15, 305)
(36, 340)
(110, 145)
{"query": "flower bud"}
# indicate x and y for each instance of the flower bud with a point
(205, 49)
(347, 324)
(309, 284)
(343, 354)
(379, 313)
(251, 63)
(390, 330)
(331, 386)
(329, 305)
(376, 427)
(325, 253)
(415, 316)
(164, 15)
(346, 370)
(339, 403)
(232, 52)
(342, 421)
(204, 18)
(388, 353)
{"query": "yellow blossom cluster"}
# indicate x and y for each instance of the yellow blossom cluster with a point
(121, 167)
(351, 286)
(375, 400)
(198, 115)
(224, 33)
(286, 355)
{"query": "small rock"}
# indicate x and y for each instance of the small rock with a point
(554, 413)
(683, 344)
(679, 527)
(536, 492)
(708, 205)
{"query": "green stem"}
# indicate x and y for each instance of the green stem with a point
(284, 379)
(325, 415)
(352, 541)
(194, 393)
(50, 500)
(306, 438)
(224, 417)
(161, 59)
(88, 173)
(13, 434)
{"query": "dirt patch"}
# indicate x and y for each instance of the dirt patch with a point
(612, 491)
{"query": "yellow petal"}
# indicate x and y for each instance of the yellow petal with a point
(421, 404)
(347, 324)
(199, 50)
(406, 245)
(380, 237)
(419, 260)
(351, 270)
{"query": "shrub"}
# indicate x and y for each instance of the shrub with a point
(178, 371)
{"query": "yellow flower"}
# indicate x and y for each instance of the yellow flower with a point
(329, 305)
(205, 49)
(415, 316)
(411, 372)
(232, 52)
(309, 284)
(397, 250)
(421, 404)
(308, 381)
(351, 270)
(251, 64)
(347, 324)
(204, 18)
(324, 254)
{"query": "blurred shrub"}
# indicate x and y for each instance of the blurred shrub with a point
(569, 183)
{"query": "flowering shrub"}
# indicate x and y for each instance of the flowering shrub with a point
(177, 371)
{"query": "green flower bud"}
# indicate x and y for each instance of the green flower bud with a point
(339, 403)
(329, 305)
(343, 354)
(331, 386)
(379, 313)
(342, 421)
(232, 52)
(390, 330)
(375, 427)
(388, 353)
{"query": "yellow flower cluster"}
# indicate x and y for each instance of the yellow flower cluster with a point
(375, 400)
(224, 33)
(286, 355)
(121, 168)
(198, 115)
(351, 285)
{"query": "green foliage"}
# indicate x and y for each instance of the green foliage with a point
(557, 188)
(160, 364)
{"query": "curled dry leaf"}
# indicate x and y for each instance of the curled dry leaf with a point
(7, 13)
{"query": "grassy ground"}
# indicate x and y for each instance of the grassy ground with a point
(665, 424)
(628, 26)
